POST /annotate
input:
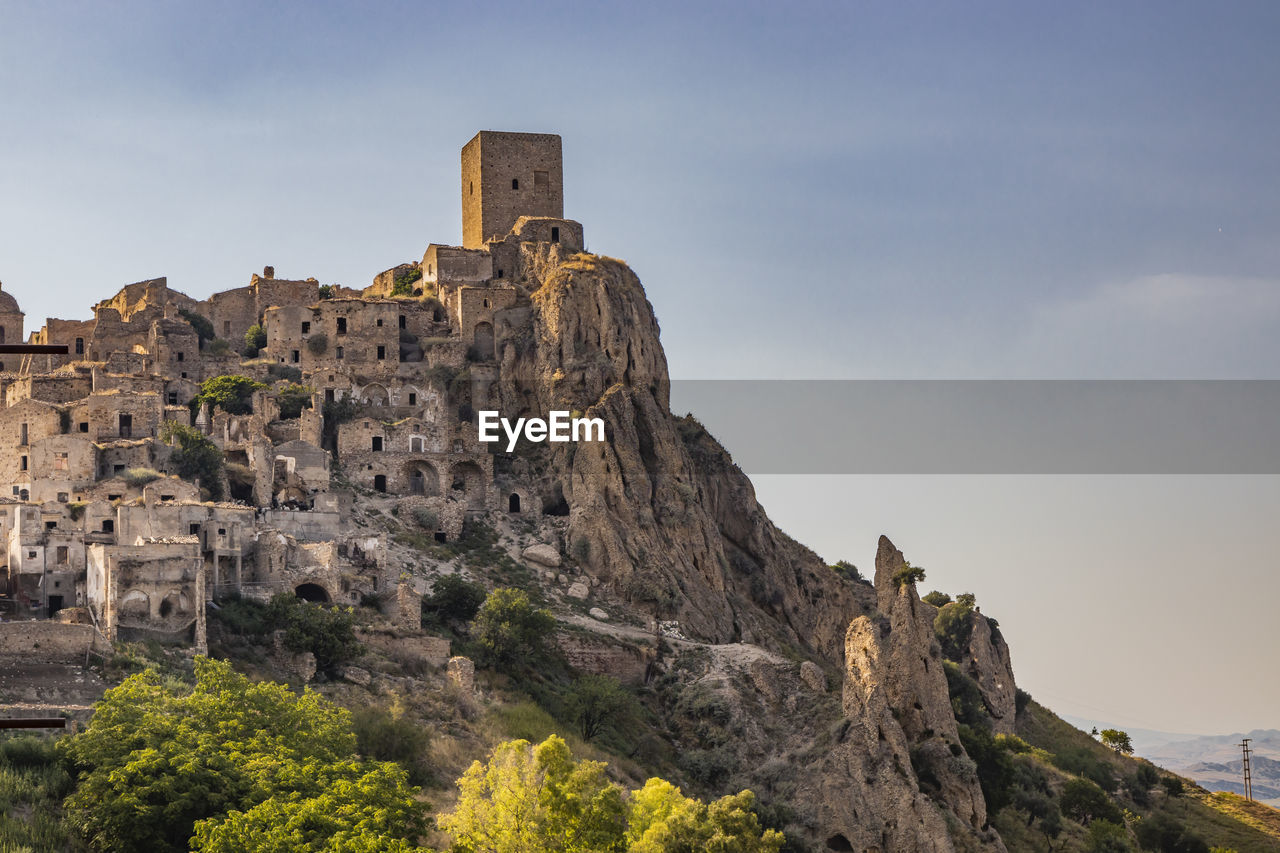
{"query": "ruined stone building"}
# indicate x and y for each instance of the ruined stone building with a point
(369, 390)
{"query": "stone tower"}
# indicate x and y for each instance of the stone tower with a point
(11, 319)
(506, 176)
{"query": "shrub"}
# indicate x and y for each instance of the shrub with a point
(995, 765)
(936, 598)
(328, 291)
(428, 520)
(954, 626)
(326, 632)
(230, 392)
(284, 371)
(1118, 741)
(1021, 699)
(1172, 785)
(454, 599)
(1107, 836)
(402, 284)
(197, 458)
(907, 574)
(137, 477)
(1083, 801)
(204, 329)
(219, 348)
(292, 399)
(846, 570)
(318, 344)
(598, 703)
(388, 735)
(512, 633)
(254, 340)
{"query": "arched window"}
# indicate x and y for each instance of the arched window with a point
(515, 183)
(79, 346)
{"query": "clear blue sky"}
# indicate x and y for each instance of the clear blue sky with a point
(820, 190)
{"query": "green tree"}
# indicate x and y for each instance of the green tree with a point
(954, 626)
(326, 632)
(846, 570)
(328, 291)
(1083, 801)
(662, 820)
(230, 392)
(936, 598)
(254, 340)
(158, 757)
(197, 458)
(1105, 836)
(597, 703)
(512, 633)
(1117, 740)
(454, 599)
(529, 799)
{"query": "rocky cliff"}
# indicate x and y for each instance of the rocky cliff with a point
(661, 517)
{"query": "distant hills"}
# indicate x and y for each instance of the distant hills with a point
(1213, 761)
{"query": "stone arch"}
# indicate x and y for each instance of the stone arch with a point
(468, 478)
(483, 340)
(513, 503)
(374, 395)
(173, 604)
(422, 477)
(135, 603)
(411, 391)
(313, 592)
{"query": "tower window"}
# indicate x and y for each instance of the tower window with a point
(379, 322)
(555, 234)
(181, 356)
(342, 325)
(79, 346)
(413, 399)
(339, 354)
(173, 398)
(377, 444)
(471, 188)
(515, 183)
(306, 328)
(382, 352)
(403, 321)
(296, 356)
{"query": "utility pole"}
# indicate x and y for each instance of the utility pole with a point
(1248, 773)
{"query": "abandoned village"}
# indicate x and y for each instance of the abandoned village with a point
(371, 389)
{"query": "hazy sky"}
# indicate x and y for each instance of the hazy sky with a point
(848, 190)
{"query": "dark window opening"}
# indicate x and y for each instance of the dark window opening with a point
(515, 183)
(340, 352)
(485, 302)
(181, 356)
(499, 273)
(51, 525)
(342, 325)
(440, 537)
(382, 352)
(117, 469)
(193, 530)
(555, 234)
(79, 346)
(328, 395)
(296, 356)
(377, 444)
(306, 328)
(24, 463)
(173, 398)
(126, 426)
(166, 607)
(380, 483)
(413, 399)
(166, 497)
(513, 503)
(23, 433)
(222, 531)
(379, 322)
(84, 426)
(403, 322)
(112, 498)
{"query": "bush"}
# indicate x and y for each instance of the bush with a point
(254, 340)
(318, 343)
(292, 399)
(388, 735)
(454, 599)
(954, 626)
(403, 282)
(936, 598)
(1118, 741)
(1083, 801)
(846, 570)
(230, 392)
(1107, 836)
(197, 458)
(328, 291)
(598, 703)
(326, 632)
(907, 574)
(138, 477)
(219, 348)
(995, 765)
(1021, 699)
(427, 519)
(204, 329)
(1172, 785)
(1161, 832)
(512, 633)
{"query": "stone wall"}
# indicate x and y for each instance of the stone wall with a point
(45, 642)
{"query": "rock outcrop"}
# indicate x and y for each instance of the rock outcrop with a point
(989, 665)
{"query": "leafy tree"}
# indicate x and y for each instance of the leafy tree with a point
(403, 282)
(1172, 785)
(954, 626)
(663, 820)
(597, 703)
(936, 598)
(1117, 740)
(161, 761)
(995, 765)
(454, 599)
(328, 291)
(512, 633)
(230, 392)
(254, 340)
(966, 698)
(292, 399)
(529, 799)
(197, 458)
(326, 632)
(1083, 801)
(204, 329)
(907, 574)
(1161, 832)
(388, 734)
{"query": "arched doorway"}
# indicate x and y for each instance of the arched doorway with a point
(375, 395)
(484, 341)
(422, 478)
(513, 503)
(312, 592)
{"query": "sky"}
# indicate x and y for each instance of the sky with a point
(807, 190)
